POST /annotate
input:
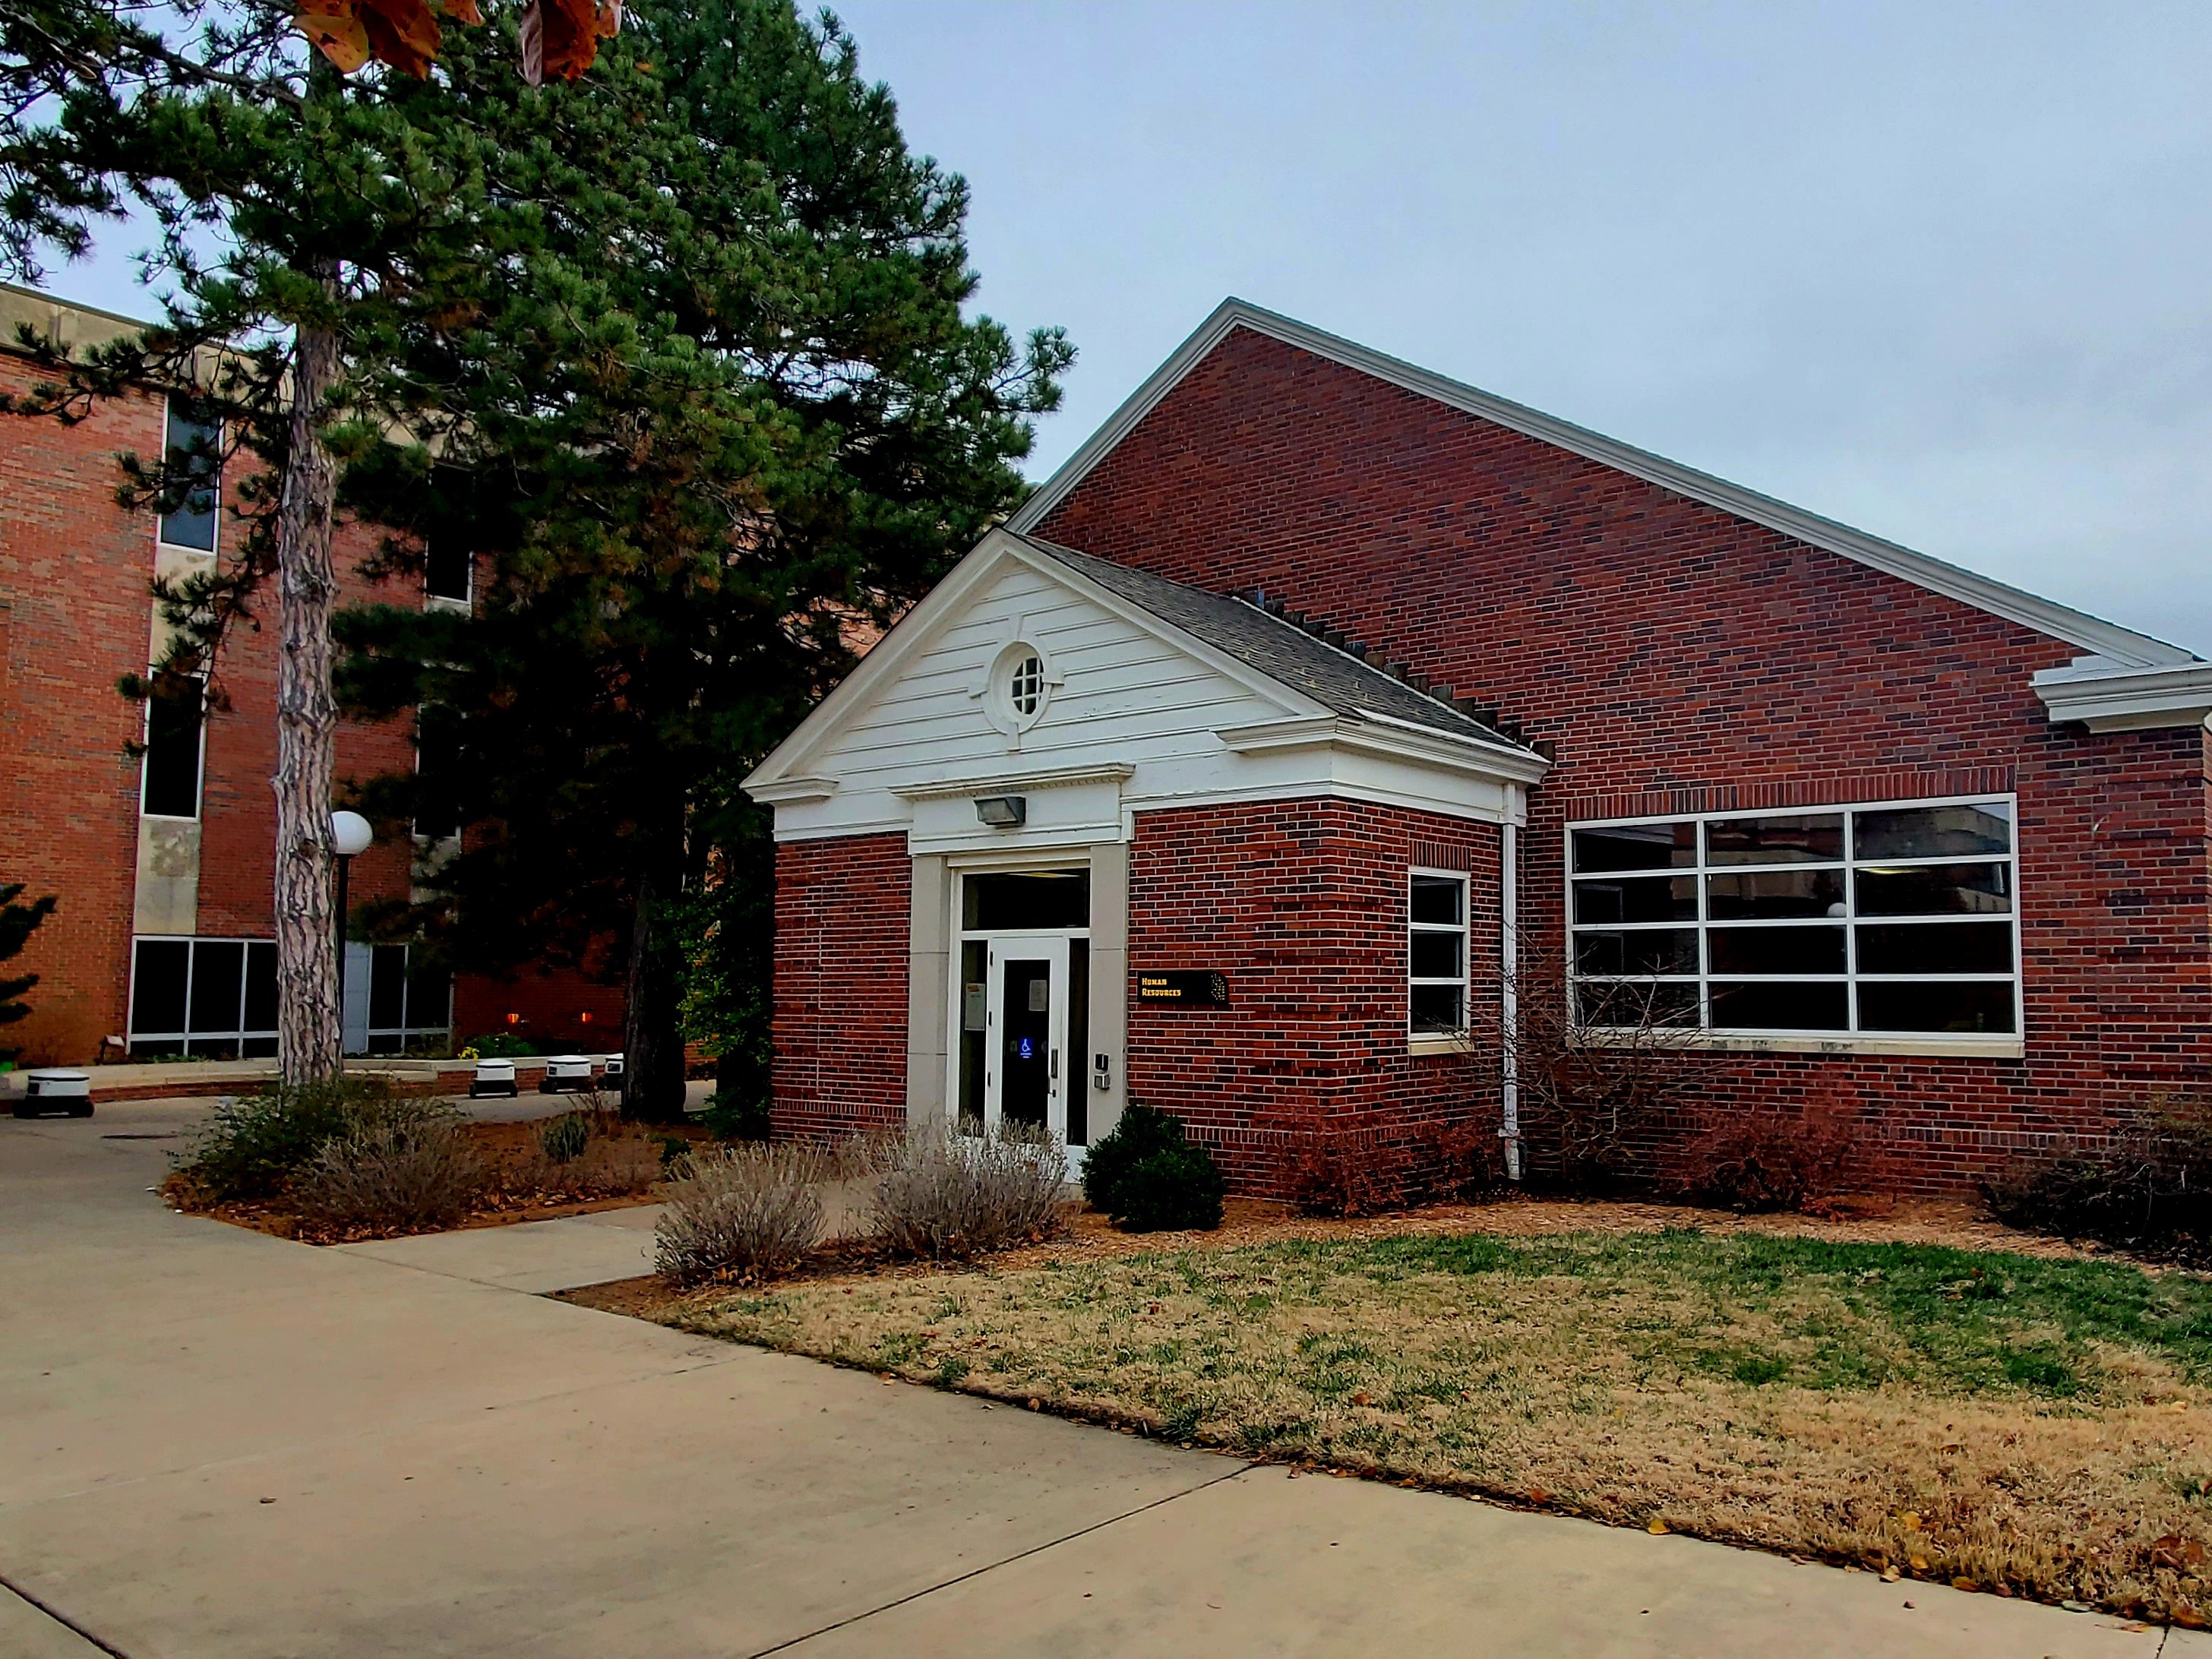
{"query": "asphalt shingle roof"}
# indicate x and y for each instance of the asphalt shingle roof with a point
(1281, 649)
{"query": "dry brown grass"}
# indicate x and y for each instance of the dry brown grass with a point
(2030, 1425)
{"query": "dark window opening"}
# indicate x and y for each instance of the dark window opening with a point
(194, 457)
(1043, 900)
(170, 784)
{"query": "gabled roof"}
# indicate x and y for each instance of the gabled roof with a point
(2121, 645)
(1279, 650)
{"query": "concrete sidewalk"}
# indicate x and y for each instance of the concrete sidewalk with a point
(213, 1442)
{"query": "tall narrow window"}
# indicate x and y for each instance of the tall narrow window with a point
(169, 779)
(438, 773)
(1875, 920)
(448, 570)
(1436, 954)
(194, 444)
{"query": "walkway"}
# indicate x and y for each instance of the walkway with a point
(213, 1442)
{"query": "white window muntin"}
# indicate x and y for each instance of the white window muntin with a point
(1460, 930)
(1848, 867)
(241, 1033)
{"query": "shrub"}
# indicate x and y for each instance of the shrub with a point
(1765, 1161)
(2148, 1188)
(498, 1045)
(399, 1168)
(564, 1139)
(1336, 1170)
(256, 1143)
(739, 1210)
(941, 1193)
(736, 1114)
(1174, 1189)
(1149, 1175)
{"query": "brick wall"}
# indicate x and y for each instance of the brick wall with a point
(76, 614)
(73, 573)
(1674, 652)
(1302, 904)
(842, 930)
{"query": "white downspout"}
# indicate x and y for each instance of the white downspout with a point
(1509, 1010)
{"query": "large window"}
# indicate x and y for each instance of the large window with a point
(395, 1004)
(169, 775)
(195, 452)
(448, 570)
(1436, 954)
(212, 998)
(1893, 920)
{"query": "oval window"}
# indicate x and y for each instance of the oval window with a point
(1025, 685)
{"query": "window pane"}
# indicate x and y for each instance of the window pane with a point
(157, 998)
(1440, 955)
(193, 445)
(1625, 1004)
(1927, 832)
(1057, 898)
(1637, 847)
(446, 569)
(173, 748)
(261, 988)
(1440, 899)
(1762, 894)
(1777, 950)
(1779, 1008)
(429, 1000)
(1648, 898)
(387, 986)
(1965, 947)
(1937, 1006)
(1804, 840)
(1438, 1008)
(1670, 951)
(1936, 890)
(218, 973)
(440, 771)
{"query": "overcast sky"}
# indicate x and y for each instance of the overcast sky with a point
(1938, 271)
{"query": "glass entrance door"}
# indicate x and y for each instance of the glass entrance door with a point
(1026, 1079)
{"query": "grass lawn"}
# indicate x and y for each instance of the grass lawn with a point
(2023, 1425)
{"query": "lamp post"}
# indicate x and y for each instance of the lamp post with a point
(351, 835)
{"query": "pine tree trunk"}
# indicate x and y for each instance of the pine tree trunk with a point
(653, 1034)
(309, 1040)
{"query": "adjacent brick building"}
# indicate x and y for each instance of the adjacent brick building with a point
(1876, 832)
(162, 942)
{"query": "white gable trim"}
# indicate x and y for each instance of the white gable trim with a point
(2122, 645)
(780, 777)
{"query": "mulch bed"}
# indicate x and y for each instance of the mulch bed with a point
(521, 1186)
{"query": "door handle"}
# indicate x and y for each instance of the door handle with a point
(1055, 1062)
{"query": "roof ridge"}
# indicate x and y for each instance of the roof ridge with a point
(1969, 587)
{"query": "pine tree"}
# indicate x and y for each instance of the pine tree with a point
(293, 210)
(735, 429)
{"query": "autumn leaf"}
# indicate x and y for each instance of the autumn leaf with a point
(337, 34)
(561, 37)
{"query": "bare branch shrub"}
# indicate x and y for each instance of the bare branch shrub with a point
(1594, 1089)
(747, 1208)
(942, 1194)
(1776, 1160)
(400, 1166)
(2148, 1188)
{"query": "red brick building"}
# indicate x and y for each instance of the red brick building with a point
(1247, 769)
(161, 943)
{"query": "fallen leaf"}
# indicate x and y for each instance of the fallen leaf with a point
(1889, 1574)
(1538, 1495)
(1963, 1584)
(1920, 1564)
(1909, 1521)
(1361, 1399)
(1657, 1528)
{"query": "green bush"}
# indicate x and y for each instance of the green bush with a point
(256, 1143)
(1149, 1175)
(564, 1139)
(736, 1114)
(500, 1045)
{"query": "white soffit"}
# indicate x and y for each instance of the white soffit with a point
(2122, 646)
(2110, 696)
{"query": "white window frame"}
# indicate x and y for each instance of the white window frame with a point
(1851, 1041)
(1441, 1042)
(199, 761)
(464, 605)
(132, 1035)
(361, 969)
(215, 530)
